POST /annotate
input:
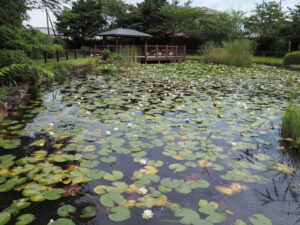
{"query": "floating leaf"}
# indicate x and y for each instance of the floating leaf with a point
(54, 194)
(115, 175)
(4, 218)
(110, 199)
(63, 221)
(66, 210)
(119, 213)
(88, 212)
(239, 222)
(25, 219)
(259, 219)
(177, 167)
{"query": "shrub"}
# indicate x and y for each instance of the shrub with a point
(23, 74)
(234, 53)
(105, 54)
(292, 58)
(8, 57)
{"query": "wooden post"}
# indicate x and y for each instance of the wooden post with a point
(75, 54)
(146, 50)
(57, 56)
(67, 54)
(184, 52)
(176, 50)
(167, 51)
(156, 51)
(45, 56)
(94, 52)
(84, 53)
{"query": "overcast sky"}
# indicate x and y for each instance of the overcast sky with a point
(38, 17)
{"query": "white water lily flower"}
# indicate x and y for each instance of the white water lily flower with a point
(116, 129)
(51, 221)
(143, 162)
(130, 124)
(51, 133)
(88, 113)
(142, 191)
(108, 132)
(148, 214)
(51, 124)
(233, 144)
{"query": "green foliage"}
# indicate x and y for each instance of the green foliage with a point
(291, 122)
(26, 39)
(128, 56)
(23, 73)
(84, 20)
(8, 57)
(105, 54)
(292, 58)
(234, 53)
(12, 12)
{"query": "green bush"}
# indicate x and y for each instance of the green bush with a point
(105, 54)
(292, 58)
(291, 124)
(24, 74)
(234, 53)
(8, 57)
(128, 56)
(26, 39)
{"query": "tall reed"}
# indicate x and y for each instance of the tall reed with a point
(128, 56)
(235, 53)
(291, 121)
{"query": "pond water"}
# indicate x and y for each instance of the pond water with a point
(192, 143)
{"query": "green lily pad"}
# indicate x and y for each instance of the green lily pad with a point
(119, 213)
(239, 222)
(63, 221)
(217, 217)
(110, 199)
(259, 219)
(66, 210)
(4, 218)
(115, 175)
(21, 203)
(88, 212)
(177, 167)
(25, 219)
(54, 194)
(109, 159)
(12, 210)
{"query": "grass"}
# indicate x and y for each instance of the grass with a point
(54, 66)
(291, 121)
(128, 56)
(262, 59)
(235, 53)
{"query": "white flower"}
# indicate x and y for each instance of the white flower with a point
(142, 191)
(51, 133)
(78, 103)
(148, 214)
(143, 162)
(130, 124)
(108, 132)
(116, 129)
(51, 124)
(233, 144)
(51, 221)
(88, 113)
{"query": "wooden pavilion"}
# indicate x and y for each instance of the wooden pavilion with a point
(148, 53)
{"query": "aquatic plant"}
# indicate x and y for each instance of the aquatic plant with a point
(128, 56)
(234, 53)
(291, 121)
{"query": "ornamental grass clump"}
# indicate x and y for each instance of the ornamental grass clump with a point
(234, 53)
(128, 56)
(291, 123)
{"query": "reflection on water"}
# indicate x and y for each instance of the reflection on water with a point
(194, 133)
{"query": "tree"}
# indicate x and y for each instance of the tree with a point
(113, 11)
(12, 12)
(52, 5)
(84, 20)
(295, 28)
(181, 20)
(269, 27)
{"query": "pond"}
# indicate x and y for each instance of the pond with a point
(181, 143)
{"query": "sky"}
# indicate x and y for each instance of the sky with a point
(38, 17)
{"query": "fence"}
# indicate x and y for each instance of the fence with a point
(43, 56)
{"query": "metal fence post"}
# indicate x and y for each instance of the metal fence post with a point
(67, 55)
(45, 56)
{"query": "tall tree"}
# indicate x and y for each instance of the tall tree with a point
(295, 28)
(12, 12)
(84, 20)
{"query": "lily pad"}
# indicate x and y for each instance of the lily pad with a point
(259, 219)
(4, 218)
(25, 219)
(119, 213)
(110, 199)
(88, 212)
(66, 210)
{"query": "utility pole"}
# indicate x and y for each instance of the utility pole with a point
(47, 17)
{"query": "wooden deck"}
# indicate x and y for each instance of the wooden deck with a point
(153, 53)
